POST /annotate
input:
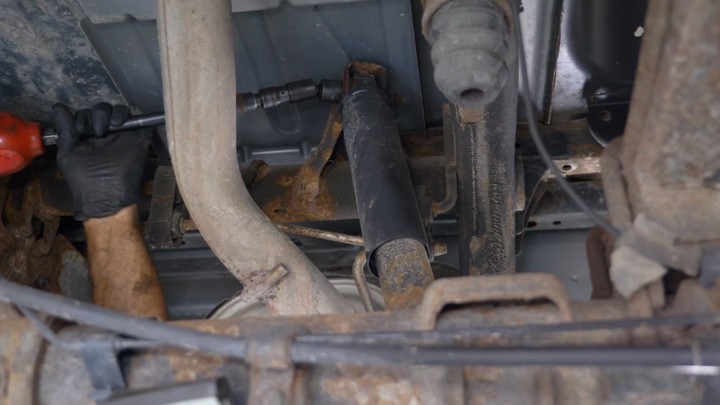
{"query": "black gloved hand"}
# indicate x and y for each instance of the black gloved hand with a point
(102, 170)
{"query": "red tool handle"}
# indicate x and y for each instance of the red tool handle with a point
(20, 143)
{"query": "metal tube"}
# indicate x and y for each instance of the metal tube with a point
(198, 66)
(405, 272)
(657, 356)
(387, 206)
(321, 234)
(358, 271)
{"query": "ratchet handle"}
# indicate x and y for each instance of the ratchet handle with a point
(50, 137)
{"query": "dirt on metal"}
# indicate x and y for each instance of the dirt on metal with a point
(31, 252)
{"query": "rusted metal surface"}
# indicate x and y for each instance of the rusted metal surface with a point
(519, 287)
(273, 377)
(449, 149)
(671, 153)
(31, 252)
(269, 185)
(321, 234)
(388, 385)
(336, 198)
(207, 171)
(261, 288)
(614, 186)
(305, 196)
(599, 245)
(358, 272)
(661, 179)
(306, 185)
(404, 272)
(20, 354)
(277, 206)
(486, 170)
(188, 225)
(400, 384)
(486, 181)
(575, 167)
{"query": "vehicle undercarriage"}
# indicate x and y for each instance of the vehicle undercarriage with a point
(396, 201)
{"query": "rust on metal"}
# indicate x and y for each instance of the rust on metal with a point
(31, 252)
(306, 197)
(449, 149)
(358, 272)
(321, 234)
(391, 384)
(468, 115)
(261, 288)
(405, 273)
(419, 145)
(598, 246)
(614, 186)
(366, 68)
(20, 356)
(306, 185)
(671, 154)
(187, 225)
(517, 287)
(278, 208)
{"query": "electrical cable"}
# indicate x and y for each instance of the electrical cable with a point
(537, 139)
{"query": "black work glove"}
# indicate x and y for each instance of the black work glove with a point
(102, 170)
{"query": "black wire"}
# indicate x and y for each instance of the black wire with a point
(537, 139)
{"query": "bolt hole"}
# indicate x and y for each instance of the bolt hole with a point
(278, 211)
(557, 222)
(566, 168)
(531, 224)
(605, 116)
(472, 96)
